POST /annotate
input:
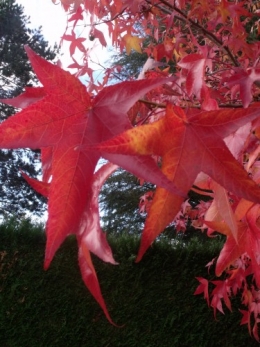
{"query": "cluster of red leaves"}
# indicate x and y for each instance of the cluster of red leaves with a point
(234, 283)
(217, 66)
(60, 118)
(201, 123)
(207, 39)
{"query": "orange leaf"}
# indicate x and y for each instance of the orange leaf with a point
(187, 147)
(242, 208)
(248, 241)
(90, 277)
(132, 42)
(224, 208)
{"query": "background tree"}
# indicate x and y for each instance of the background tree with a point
(128, 65)
(16, 197)
(119, 200)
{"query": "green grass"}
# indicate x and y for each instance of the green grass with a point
(152, 301)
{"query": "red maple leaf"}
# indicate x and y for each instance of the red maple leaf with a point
(63, 119)
(203, 288)
(245, 80)
(99, 35)
(248, 241)
(76, 16)
(193, 68)
(76, 42)
(219, 293)
(31, 95)
(187, 147)
(90, 236)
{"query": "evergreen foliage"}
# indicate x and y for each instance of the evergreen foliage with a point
(16, 197)
(119, 201)
(157, 305)
(129, 65)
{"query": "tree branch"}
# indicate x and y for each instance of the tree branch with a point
(184, 18)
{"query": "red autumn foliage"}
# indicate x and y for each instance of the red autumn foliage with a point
(200, 121)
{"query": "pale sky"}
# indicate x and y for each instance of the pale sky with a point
(53, 20)
(44, 13)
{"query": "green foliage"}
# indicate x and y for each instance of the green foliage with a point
(21, 232)
(153, 300)
(119, 201)
(130, 65)
(15, 70)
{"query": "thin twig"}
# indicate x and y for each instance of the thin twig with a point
(152, 103)
(163, 105)
(205, 32)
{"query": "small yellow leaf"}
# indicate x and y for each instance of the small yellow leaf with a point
(132, 42)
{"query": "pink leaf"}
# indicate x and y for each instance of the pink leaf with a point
(194, 71)
(100, 36)
(31, 95)
(203, 288)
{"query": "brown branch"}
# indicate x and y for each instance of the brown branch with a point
(152, 103)
(99, 23)
(163, 105)
(201, 191)
(107, 20)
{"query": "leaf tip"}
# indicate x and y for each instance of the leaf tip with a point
(46, 264)
(140, 255)
(28, 49)
(138, 259)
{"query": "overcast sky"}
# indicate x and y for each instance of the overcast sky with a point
(53, 20)
(44, 13)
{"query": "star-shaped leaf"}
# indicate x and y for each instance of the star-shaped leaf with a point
(248, 241)
(187, 146)
(132, 42)
(90, 236)
(62, 118)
